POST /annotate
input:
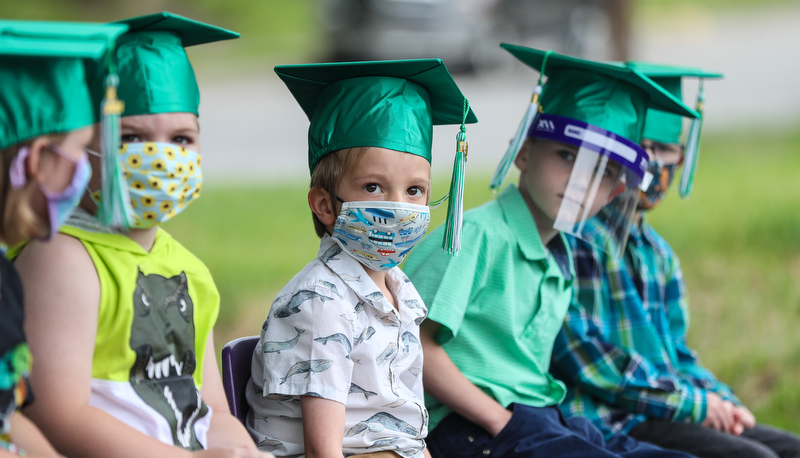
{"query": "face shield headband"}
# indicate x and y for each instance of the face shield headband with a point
(602, 192)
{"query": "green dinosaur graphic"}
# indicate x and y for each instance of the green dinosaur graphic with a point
(162, 335)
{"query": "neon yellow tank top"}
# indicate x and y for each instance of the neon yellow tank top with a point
(156, 312)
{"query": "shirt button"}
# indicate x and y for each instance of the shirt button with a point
(486, 452)
(470, 439)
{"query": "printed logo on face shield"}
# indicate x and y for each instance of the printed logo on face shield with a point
(573, 131)
(380, 234)
(546, 125)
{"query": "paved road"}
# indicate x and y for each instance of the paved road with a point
(253, 130)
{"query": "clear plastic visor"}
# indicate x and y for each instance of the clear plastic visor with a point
(602, 192)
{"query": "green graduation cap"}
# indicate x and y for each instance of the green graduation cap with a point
(665, 127)
(43, 85)
(386, 104)
(155, 75)
(662, 126)
(612, 97)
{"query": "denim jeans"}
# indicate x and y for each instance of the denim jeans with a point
(759, 442)
(535, 432)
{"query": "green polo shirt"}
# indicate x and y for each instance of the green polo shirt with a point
(500, 302)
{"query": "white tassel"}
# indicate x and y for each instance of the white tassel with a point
(503, 168)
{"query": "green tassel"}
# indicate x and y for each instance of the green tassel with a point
(455, 208)
(114, 208)
(692, 149)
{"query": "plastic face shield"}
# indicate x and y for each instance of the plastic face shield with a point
(602, 192)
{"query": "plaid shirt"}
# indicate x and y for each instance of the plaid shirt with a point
(622, 350)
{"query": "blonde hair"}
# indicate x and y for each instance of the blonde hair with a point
(19, 220)
(328, 174)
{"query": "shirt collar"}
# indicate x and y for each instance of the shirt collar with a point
(355, 277)
(562, 255)
(519, 219)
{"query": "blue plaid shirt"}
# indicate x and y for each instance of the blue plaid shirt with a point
(622, 350)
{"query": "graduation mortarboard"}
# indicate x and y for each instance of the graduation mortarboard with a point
(43, 84)
(612, 97)
(385, 104)
(665, 127)
(155, 73)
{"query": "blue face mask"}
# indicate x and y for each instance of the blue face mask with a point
(59, 204)
(380, 234)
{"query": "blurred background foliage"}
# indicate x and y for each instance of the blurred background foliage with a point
(738, 237)
(293, 30)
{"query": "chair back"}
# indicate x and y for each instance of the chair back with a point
(236, 357)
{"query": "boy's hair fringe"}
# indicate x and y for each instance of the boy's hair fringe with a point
(328, 174)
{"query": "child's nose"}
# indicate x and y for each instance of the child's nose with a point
(397, 196)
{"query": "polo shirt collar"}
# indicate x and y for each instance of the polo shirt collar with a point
(519, 219)
(562, 255)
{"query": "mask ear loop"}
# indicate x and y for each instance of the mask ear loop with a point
(93, 195)
(16, 173)
(528, 120)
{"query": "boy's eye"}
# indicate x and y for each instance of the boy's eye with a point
(130, 138)
(611, 170)
(372, 188)
(566, 155)
(415, 191)
(181, 140)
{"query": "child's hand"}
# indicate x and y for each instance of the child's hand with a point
(719, 413)
(499, 421)
(232, 452)
(743, 420)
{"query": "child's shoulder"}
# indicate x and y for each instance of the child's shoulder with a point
(315, 281)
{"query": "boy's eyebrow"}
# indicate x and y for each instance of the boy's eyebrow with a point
(383, 176)
(186, 130)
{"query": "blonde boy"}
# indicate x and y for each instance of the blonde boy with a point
(337, 369)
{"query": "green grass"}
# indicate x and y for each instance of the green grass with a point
(738, 239)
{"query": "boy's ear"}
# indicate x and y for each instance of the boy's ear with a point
(321, 203)
(521, 161)
(34, 155)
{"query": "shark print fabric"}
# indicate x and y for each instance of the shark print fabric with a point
(331, 333)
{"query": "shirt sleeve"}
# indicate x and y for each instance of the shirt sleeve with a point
(446, 283)
(688, 366)
(616, 375)
(295, 360)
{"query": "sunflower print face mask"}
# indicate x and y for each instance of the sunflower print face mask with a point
(163, 179)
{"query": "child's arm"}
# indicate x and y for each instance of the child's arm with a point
(323, 427)
(449, 386)
(225, 429)
(63, 293)
(27, 437)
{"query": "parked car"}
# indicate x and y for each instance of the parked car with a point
(465, 33)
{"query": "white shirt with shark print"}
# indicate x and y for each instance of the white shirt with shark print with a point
(331, 333)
